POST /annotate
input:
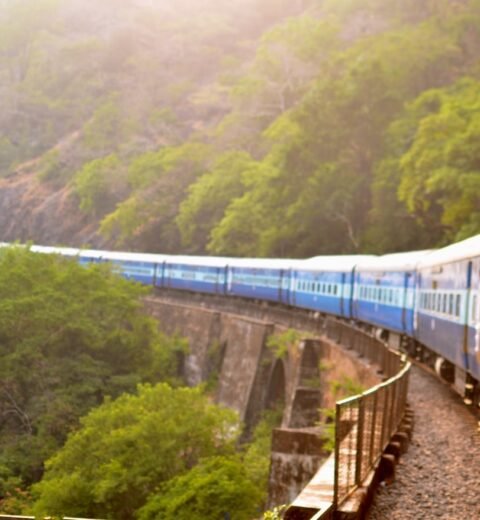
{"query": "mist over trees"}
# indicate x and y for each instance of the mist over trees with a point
(266, 128)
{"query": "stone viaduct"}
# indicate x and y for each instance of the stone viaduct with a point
(260, 363)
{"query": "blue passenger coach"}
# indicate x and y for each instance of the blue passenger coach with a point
(202, 274)
(448, 316)
(263, 278)
(140, 267)
(385, 291)
(324, 284)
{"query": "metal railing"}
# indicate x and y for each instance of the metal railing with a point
(389, 361)
(365, 423)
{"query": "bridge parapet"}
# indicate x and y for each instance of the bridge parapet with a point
(365, 425)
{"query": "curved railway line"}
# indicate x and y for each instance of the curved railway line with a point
(439, 476)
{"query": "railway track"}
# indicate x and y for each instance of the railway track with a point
(439, 477)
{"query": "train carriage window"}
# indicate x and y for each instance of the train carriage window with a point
(335, 290)
(457, 305)
(474, 308)
(444, 303)
(450, 304)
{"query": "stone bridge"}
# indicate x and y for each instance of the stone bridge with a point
(260, 363)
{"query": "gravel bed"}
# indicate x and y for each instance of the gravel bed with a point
(439, 476)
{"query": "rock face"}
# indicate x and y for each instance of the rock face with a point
(31, 210)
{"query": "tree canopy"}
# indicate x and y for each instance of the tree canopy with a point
(127, 448)
(69, 336)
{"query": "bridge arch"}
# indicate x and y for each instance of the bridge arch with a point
(276, 392)
(307, 395)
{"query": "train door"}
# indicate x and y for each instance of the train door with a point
(406, 284)
(472, 291)
(416, 305)
(342, 295)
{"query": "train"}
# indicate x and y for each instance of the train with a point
(426, 303)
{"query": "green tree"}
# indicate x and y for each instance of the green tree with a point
(109, 127)
(100, 184)
(69, 335)
(129, 447)
(209, 196)
(441, 171)
(160, 181)
(429, 179)
(217, 486)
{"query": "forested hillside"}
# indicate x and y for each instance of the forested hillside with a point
(253, 127)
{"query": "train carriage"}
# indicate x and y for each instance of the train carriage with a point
(203, 274)
(324, 284)
(263, 279)
(140, 267)
(448, 321)
(385, 291)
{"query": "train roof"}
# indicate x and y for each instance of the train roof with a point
(333, 263)
(209, 261)
(64, 251)
(465, 250)
(393, 262)
(133, 257)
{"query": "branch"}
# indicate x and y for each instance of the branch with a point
(16, 410)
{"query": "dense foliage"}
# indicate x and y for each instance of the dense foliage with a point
(284, 129)
(128, 447)
(75, 348)
(163, 453)
(69, 336)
